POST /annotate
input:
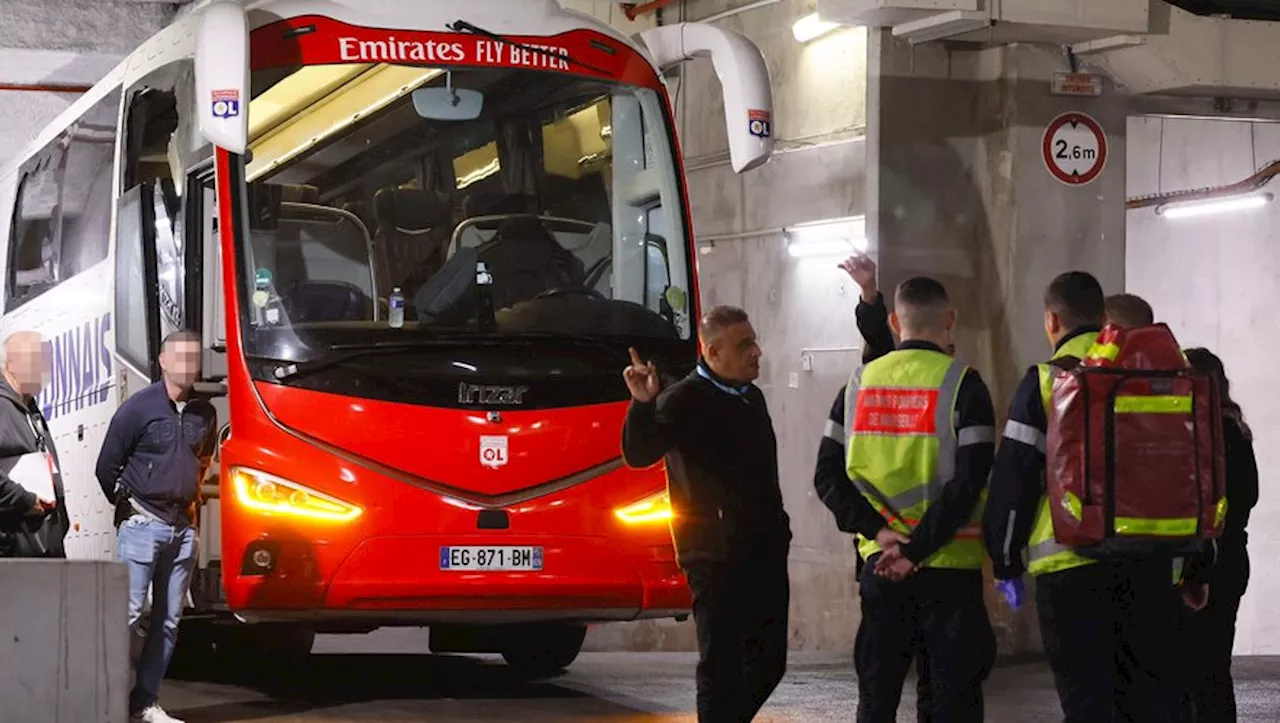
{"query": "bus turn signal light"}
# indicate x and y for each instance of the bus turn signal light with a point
(267, 493)
(656, 508)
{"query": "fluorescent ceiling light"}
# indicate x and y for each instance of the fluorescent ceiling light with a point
(811, 27)
(836, 237)
(1191, 209)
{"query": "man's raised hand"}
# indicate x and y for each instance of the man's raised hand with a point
(862, 270)
(642, 379)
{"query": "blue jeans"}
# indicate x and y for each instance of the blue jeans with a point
(160, 557)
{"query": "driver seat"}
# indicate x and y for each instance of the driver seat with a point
(525, 260)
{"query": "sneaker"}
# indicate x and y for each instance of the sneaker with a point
(153, 714)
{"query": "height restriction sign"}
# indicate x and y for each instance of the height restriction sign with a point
(1074, 148)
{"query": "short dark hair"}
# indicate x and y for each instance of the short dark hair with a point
(179, 336)
(719, 318)
(921, 303)
(1129, 310)
(1077, 298)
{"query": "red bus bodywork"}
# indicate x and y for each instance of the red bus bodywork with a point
(562, 483)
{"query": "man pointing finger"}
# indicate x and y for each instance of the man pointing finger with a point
(731, 533)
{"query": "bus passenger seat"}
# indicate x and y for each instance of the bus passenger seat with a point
(413, 232)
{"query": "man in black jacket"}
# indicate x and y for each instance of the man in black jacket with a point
(157, 449)
(29, 526)
(731, 533)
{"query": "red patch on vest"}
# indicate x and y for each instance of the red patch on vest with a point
(896, 411)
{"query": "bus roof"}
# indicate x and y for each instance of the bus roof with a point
(515, 17)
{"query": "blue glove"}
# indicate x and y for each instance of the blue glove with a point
(1013, 591)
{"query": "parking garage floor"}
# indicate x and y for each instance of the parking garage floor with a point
(388, 677)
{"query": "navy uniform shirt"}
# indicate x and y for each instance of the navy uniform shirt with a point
(155, 454)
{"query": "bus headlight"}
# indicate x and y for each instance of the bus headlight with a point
(262, 492)
(655, 508)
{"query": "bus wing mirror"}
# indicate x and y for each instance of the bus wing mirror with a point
(222, 76)
(744, 80)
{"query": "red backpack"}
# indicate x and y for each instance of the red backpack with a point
(1134, 460)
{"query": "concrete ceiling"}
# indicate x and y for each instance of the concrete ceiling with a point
(73, 42)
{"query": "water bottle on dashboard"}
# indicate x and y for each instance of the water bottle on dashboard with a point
(396, 302)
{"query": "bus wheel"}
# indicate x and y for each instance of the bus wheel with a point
(544, 650)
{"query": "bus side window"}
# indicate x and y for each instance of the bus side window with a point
(62, 219)
(33, 239)
(86, 196)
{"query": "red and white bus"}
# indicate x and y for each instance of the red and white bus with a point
(280, 174)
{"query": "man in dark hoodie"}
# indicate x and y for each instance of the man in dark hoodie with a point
(29, 526)
(157, 450)
(731, 533)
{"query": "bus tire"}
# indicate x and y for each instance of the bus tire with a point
(544, 650)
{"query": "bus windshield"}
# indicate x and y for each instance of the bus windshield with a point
(550, 207)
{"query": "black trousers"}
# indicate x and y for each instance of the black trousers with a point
(924, 696)
(1110, 633)
(740, 612)
(1209, 636)
(939, 612)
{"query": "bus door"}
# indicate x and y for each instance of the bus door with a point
(162, 269)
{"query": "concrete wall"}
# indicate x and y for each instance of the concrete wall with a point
(940, 147)
(64, 641)
(819, 120)
(957, 189)
(62, 42)
(1214, 281)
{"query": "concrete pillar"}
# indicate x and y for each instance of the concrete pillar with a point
(64, 641)
(957, 189)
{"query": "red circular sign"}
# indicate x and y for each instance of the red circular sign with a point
(1074, 148)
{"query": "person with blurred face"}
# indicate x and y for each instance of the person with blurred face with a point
(731, 533)
(30, 525)
(157, 450)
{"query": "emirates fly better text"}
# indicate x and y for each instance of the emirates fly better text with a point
(480, 52)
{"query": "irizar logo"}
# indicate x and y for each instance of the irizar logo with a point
(476, 394)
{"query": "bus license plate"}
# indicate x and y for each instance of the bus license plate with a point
(491, 558)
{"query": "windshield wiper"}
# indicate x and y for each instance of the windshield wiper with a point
(462, 26)
(343, 353)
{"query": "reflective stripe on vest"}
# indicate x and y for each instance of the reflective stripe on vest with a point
(900, 412)
(1045, 554)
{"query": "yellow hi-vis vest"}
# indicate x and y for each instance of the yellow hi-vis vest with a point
(902, 446)
(1045, 554)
